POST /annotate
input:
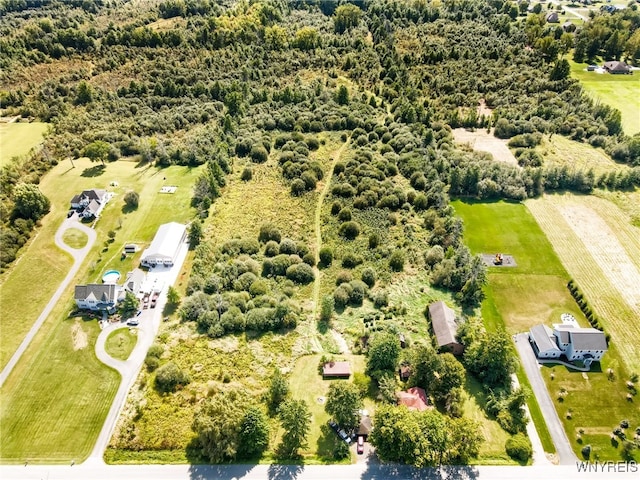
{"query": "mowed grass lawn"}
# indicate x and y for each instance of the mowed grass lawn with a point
(618, 91)
(120, 343)
(41, 394)
(52, 411)
(535, 292)
(42, 259)
(17, 139)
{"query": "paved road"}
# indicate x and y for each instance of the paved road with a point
(532, 369)
(78, 255)
(361, 471)
(150, 320)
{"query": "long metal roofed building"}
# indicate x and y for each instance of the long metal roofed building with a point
(165, 245)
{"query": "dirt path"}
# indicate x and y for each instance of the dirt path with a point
(342, 343)
(318, 231)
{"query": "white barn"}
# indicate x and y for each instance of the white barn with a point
(165, 245)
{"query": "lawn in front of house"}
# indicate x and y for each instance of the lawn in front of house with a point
(120, 343)
(54, 406)
(618, 91)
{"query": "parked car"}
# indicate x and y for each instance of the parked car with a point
(360, 448)
(133, 322)
(70, 212)
(344, 436)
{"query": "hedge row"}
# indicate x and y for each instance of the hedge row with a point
(582, 302)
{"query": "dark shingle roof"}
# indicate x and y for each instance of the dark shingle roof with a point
(541, 335)
(105, 293)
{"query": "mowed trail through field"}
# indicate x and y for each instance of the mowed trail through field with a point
(603, 260)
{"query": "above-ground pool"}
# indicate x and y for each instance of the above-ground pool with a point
(112, 276)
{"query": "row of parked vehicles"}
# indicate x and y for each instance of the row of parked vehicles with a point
(348, 438)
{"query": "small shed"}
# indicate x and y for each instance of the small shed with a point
(553, 17)
(336, 370)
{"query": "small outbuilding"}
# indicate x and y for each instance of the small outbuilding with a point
(445, 327)
(553, 17)
(336, 370)
(365, 427)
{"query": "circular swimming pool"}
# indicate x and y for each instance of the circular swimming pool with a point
(112, 276)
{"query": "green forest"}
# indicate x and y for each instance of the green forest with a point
(247, 89)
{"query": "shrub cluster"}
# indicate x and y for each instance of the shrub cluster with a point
(585, 307)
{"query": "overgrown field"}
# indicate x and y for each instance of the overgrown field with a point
(619, 91)
(535, 292)
(559, 151)
(601, 251)
(17, 139)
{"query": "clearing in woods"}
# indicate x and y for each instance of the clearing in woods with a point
(17, 139)
(601, 251)
(482, 141)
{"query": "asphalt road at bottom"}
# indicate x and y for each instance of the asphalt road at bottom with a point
(361, 471)
(532, 369)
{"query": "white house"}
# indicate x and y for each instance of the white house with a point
(568, 339)
(90, 202)
(97, 296)
(165, 245)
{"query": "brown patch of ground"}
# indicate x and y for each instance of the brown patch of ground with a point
(482, 141)
(483, 109)
(79, 336)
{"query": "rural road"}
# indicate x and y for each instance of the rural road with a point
(532, 369)
(78, 255)
(360, 471)
(150, 320)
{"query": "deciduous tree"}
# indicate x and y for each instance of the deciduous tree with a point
(343, 403)
(296, 420)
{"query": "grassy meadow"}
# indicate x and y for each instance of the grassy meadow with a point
(120, 343)
(618, 91)
(17, 139)
(559, 151)
(535, 292)
(33, 377)
(53, 405)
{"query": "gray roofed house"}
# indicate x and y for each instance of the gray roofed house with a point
(445, 328)
(365, 427)
(553, 17)
(616, 67)
(97, 296)
(544, 342)
(588, 339)
(90, 201)
(570, 340)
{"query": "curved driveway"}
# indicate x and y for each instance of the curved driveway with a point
(556, 429)
(149, 324)
(78, 255)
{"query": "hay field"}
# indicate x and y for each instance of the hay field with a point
(601, 251)
(17, 139)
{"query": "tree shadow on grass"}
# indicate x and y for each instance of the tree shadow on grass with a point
(94, 171)
(126, 208)
(326, 443)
